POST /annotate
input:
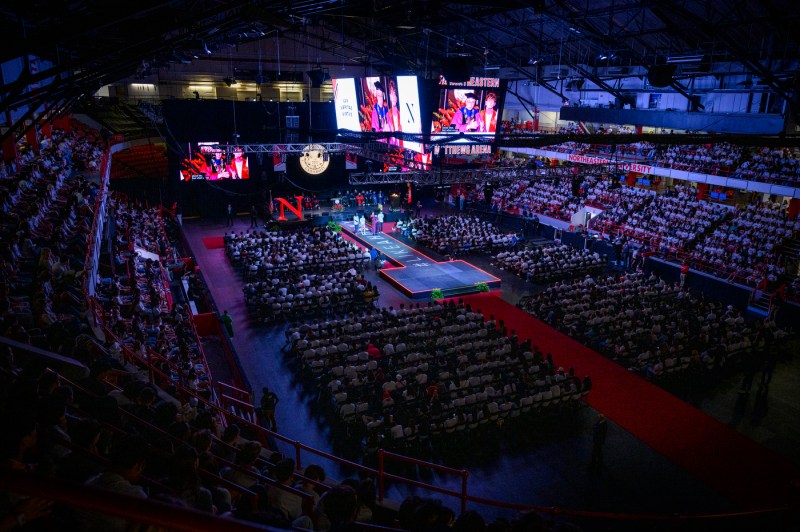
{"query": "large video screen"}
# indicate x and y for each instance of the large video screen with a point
(210, 161)
(380, 104)
(474, 107)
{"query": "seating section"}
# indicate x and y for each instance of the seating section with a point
(413, 377)
(46, 216)
(672, 221)
(771, 165)
(301, 272)
(289, 296)
(92, 429)
(146, 161)
(136, 301)
(744, 244)
(549, 262)
(747, 247)
(551, 197)
(777, 165)
(648, 325)
(617, 202)
(453, 235)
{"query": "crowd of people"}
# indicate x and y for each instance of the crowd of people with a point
(258, 254)
(111, 428)
(742, 244)
(290, 295)
(549, 262)
(552, 197)
(675, 220)
(648, 325)
(771, 165)
(617, 201)
(47, 214)
(296, 272)
(407, 379)
(414, 378)
(779, 165)
(746, 246)
(449, 235)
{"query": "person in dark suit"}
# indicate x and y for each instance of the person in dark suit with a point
(599, 433)
(253, 216)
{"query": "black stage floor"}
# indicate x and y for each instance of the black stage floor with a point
(416, 274)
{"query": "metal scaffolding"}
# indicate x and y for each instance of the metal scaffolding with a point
(467, 176)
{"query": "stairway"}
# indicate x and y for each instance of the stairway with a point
(791, 252)
(760, 306)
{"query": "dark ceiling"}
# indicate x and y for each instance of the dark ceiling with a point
(92, 43)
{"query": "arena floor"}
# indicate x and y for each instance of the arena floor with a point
(544, 465)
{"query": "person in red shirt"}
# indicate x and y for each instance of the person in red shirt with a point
(489, 114)
(373, 352)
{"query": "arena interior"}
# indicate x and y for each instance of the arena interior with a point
(400, 266)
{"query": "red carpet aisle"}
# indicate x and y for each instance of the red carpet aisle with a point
(214, 242)
(748, 474)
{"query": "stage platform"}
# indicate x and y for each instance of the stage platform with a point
(416, 274)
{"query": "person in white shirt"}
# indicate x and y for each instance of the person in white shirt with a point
(379, 219)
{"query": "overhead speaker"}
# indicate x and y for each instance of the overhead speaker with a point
(317, 77)
(661, 75)
(456, 69)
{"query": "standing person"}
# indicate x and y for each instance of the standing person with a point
(253, 216)
(489, 114)
(229, 214)
(599, 433)
(362, 225)
(239, 165)
(394, 114)
(419, 208)
(373, 222)
(684, 273)
(379, 221)
(373, 257)
(227, 321)
(269, 401)
(380, 111)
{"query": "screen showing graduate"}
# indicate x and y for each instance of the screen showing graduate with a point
(382, 104)
(473, 107)
(210, 161)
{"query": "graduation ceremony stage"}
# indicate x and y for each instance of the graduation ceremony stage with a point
(416, 274)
